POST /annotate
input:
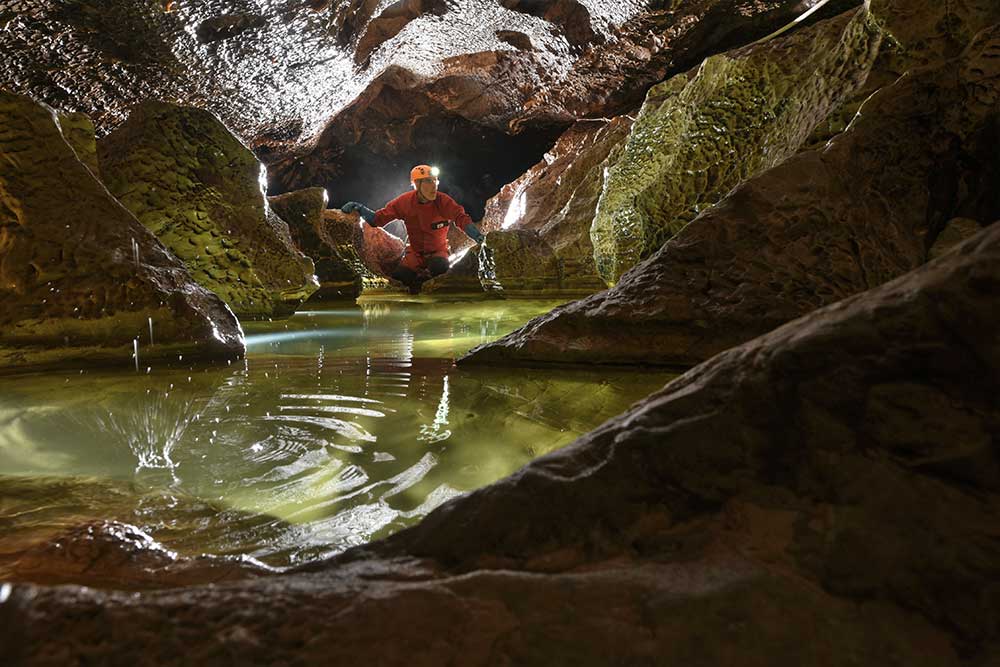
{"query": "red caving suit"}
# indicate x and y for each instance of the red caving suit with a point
(426, 225)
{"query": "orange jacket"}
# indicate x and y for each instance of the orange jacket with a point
(426, 224)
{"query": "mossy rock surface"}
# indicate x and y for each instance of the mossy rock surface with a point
(192, 183)
(80, 277)
(700, 134)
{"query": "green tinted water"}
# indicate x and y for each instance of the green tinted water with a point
(341, 426)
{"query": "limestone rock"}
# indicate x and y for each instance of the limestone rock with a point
(80, 278)
(463, 278)
(760, 509)
(371, 253)
(521, 264)
(700, 135)
(558, 196)
(822, 226)
(116, 555)
(199, 190)
(79, 132)
(304, 211)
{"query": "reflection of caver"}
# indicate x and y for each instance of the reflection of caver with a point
(427, 214)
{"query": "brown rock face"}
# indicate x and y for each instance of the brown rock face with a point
(370, 252)
(200, 191)
(821, 226)
(80, 278)
(557, 199)
(764, 508)
(304, 211)
(117, 555)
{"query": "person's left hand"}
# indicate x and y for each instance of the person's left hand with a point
(473, 232)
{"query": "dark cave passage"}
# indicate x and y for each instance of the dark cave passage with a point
(475, 162)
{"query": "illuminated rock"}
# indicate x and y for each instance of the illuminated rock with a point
(700, 134)
(557, 198)
(821, 226)
(200, 191)
(81, 281)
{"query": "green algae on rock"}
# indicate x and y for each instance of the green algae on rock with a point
(304, 211)
(81, 281)
(79, 132)
(700, 134)
(191, 182)
(821, 226)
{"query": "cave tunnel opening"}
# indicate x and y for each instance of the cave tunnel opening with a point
(475, 162)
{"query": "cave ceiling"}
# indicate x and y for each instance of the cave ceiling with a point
(325, 90)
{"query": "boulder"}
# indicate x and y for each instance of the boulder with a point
(700, 134)
(81, 281)
(557, 198)
(371, 253)
(822, 226)
(463, 278)
(521, 264)
(201, 192)
(762, 509)
(304, 211)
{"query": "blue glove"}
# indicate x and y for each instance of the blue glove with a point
(474, 233)
(364, 211)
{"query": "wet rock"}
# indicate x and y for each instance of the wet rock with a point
(820, 227)
(117, 555)
(391, 21)
(758, 499)
(304, 212)
(200, 191)
(522, 264)
(227, 26)
(699, 135)
(571, 16)
(80, 278)
(666, 39)
(463, 278)
(371, 253)
(557, 198)
(78, 130)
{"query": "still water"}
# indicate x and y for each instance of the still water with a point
(340, 426)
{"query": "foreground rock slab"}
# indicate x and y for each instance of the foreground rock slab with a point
(820, 227)
(201, 192)
(80, 279)
(826, 494)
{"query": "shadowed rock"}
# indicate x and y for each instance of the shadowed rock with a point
(304, 211)
(701, 134)
(200, 191)
(370, 252)
(761, 509)
(227, 26)
(80, 278)
(822, 226)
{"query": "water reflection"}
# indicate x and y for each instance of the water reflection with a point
(340, 426)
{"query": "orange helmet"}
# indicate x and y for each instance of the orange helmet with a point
(423, 171)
